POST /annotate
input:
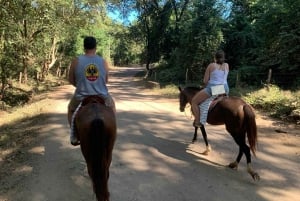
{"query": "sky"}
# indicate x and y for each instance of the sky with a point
(116, 16)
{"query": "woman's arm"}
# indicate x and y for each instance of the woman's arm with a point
(227, 67)
(207, 74)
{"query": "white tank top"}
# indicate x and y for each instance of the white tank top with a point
(218, 76)
(90, 75)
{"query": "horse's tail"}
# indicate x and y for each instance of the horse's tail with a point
(99, 159)
(251, 128)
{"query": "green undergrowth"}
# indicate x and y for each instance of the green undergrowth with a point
(278, 103)
(18, 94)
(271, 100)
(167, 91)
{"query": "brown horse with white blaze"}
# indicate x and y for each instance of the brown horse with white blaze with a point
(95, 125)
(239, 120)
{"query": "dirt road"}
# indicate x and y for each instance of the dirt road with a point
(153, 159)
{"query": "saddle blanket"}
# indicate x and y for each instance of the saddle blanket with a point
(204, 107)
(73, 120)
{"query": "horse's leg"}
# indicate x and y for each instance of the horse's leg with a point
(195, 135)
(239, 140)
(208, 149)
(234, 165)
(253, 174)
(244, 149)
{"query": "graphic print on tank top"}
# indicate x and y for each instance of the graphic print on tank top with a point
(91, 72)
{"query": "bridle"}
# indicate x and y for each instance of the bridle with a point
(187, 106)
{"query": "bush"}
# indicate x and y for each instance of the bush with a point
(16, 97)
(274, 101)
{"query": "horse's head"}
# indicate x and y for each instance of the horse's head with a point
(186, 95)
(182, 99)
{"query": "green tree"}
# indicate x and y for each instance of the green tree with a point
(279, 28)
(200, 37)
(240, 36)
(264, 34)
(153, 21)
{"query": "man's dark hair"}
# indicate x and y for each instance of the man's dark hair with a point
(89, 43)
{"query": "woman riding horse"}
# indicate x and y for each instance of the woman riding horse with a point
(215, 77)
(239, 120)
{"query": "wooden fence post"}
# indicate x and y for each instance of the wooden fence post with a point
(269, 76)
(186, 75)
(20, 77)
(269, 79)
(237, 81)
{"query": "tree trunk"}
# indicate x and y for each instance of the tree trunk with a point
(25, 53)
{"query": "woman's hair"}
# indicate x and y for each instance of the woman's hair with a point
(89, 43)
(220, 57)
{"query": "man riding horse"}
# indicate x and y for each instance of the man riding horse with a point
(89, 74)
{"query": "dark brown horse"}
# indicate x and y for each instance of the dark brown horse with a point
(95, 126)
(239, 120)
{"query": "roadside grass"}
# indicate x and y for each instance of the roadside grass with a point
(21, 110)
(25, 111)
(20, 122)
(168, 91)
(19, 129)
(18, 94)
(278, 103)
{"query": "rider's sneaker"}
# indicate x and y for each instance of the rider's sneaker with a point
(74, 140)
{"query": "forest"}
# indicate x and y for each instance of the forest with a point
(176, 39)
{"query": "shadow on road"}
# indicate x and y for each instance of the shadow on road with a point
(153, 158)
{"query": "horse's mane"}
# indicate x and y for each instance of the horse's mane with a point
(193, 88)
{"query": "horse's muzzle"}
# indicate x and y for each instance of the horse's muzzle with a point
(181, 109)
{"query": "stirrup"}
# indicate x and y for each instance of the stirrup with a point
(197, 124)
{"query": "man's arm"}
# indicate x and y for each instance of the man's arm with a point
(72, 71)
(107, 69)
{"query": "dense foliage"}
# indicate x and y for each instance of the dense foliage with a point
(179, 37)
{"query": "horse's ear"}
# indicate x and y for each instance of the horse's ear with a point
(179, 87)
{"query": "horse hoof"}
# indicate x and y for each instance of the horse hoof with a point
(75, 143)
(233, 165)
(255, 176)
(205, 153)
(208, 149)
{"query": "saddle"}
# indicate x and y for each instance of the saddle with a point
(215, 101)
(92, 99)
(85, 101)
(208, 105)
